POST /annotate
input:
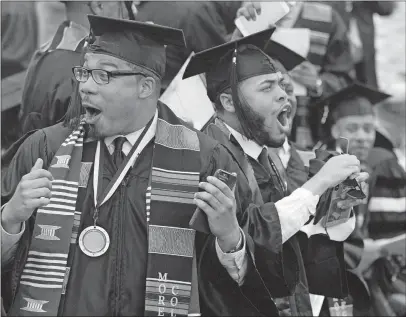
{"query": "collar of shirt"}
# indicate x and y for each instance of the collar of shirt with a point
(284, 153)
(249, 147)
(132, 137)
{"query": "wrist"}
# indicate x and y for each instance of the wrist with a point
(230, 241)
(317, 185)
(8, 223)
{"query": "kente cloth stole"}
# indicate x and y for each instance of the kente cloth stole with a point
(169, 206)
(41, 282)
(174, 181)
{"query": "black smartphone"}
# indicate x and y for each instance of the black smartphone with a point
(199, 220)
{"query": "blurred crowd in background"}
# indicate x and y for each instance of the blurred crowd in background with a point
(375, 30)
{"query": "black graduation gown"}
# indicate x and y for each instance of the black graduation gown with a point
(115, 283)
(315, 264)
(49, 83)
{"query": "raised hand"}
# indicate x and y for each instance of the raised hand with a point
(218, 202)
(33, 191)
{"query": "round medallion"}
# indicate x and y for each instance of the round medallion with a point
(94, 241)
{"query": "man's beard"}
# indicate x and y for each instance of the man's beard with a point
(92, 133)
(256, 124)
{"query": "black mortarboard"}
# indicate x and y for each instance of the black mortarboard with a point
(254, 52)
(354, 100)
(142, 44)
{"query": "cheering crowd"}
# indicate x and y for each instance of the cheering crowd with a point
(290, 199)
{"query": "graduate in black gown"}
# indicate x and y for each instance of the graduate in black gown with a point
(253, 111)
(96, 210)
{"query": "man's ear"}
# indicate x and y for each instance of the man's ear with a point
(147, 87)
(227, 102)
(335, 131)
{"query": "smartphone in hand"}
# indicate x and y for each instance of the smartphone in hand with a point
(199, 220)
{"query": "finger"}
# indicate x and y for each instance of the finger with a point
(227, 191)
(257, 7)
(251, 12)
(209, 199)
(37, 203)
(204, 207)
(362, 177)
(38, 174)
(38, 165)
(38, 193)
(37, 183)
(244, 12)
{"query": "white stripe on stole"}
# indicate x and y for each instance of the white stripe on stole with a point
(56, 193)
(72, 201)
(40, 278)
(30, 260)
(50, 206)
(48, 267)
(387, 204)
(41, 285)
(61, 181)
(44, 254)
(43, 272)
(72, 189)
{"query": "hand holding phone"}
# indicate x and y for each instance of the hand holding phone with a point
(199, 220)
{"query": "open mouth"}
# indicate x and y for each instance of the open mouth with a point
(91, 113)
(284, 115)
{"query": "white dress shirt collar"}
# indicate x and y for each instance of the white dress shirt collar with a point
(132, 137)
(251, 148)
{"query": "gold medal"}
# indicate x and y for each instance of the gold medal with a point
(94, 241)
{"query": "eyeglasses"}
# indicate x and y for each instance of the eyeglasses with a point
(100, 76)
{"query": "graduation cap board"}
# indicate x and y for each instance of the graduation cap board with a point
(254, 55)
(138, 43)
(354, 100)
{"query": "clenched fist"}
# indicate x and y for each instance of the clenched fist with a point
(33, 191)
(334, 171)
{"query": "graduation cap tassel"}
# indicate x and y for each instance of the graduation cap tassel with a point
(237, 102)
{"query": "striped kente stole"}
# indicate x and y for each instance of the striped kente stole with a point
(174, 180)
(44, 271)
(169, 206)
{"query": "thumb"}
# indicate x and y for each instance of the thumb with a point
(38, 165)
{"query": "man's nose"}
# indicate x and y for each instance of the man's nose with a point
(282, 95)
(88, 87)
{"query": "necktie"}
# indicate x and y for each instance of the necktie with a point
(118, 154)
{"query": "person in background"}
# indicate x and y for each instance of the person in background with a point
(247, 88)
(359, 18)
(19, 36)
(329, 64)
(383, 214)
(205, 24)
(19, 40)
(49, 83)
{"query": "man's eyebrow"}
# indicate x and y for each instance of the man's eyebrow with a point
(105, 62)
(269, 81)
